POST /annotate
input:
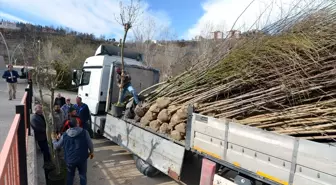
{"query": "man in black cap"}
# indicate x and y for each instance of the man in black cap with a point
(59, 100)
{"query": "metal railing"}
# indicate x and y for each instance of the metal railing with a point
(13, 156)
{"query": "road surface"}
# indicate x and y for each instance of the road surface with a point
(113, 165)
(8, 107)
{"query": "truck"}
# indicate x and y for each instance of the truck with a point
(231, 153)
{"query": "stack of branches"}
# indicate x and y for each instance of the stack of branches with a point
(284, 82)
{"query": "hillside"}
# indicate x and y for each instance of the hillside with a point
(26, 41)
(23, 41)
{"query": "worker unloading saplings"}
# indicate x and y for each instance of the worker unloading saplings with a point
(126, 85)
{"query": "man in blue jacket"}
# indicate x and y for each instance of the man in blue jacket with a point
(77, 144)
(11, 77)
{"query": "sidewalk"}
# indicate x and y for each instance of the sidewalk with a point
(111, 165)
(8, 107)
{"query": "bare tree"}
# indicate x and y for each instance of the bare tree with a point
(49, 72)
(145, 33)
(128, 16)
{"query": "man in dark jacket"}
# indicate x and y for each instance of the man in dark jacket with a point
(11, 77)
(77, 144)
(126, 86)
(83, 112)
(59, 100)
(39, 126)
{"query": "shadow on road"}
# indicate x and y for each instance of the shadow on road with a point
(113, 165)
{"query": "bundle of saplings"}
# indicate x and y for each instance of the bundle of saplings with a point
(282, 80)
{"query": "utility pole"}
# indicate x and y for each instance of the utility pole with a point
(39, 56)
(13, 53)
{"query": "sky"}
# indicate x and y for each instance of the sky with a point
(181, 19)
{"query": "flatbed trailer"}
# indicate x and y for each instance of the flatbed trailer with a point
(254, 154)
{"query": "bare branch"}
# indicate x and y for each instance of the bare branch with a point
(128, 16)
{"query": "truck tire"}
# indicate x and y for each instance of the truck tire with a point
(145, 168)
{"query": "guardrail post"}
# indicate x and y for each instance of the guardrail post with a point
(27, 115)
(30, 82)
(188, 128)
(21, 133)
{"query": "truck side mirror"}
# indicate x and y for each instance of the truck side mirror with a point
(74, 78)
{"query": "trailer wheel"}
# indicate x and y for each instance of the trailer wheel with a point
(145, 168)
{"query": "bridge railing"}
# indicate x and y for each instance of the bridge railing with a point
(13, 156)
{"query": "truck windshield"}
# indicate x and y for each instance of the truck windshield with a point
(85, 77)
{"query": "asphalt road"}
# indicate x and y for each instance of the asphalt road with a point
(7, 108)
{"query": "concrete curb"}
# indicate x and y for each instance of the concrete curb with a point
(32, 161)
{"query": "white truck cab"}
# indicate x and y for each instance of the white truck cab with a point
(97, 84)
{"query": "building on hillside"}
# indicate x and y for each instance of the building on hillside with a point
(48, 30)
(234, 34)
(8, 25)
(217, 35)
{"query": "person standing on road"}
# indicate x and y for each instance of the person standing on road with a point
(59, 100)
(78, 147)
(66, 108)
(39, 125)
(11, 77)
(126, 86)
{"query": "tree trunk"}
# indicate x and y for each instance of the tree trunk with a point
(122, 64)
(48, 125)
(55, 152)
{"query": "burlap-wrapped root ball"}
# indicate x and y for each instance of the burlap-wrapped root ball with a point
(148, 117)
(181, 128)
(141, 109)
(179, 117)
(164, 128)
(176, 135)
(154, 108)
(164, 116)
(155, 125)
(163, 102)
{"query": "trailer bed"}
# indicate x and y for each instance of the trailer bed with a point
(262, 155)
(162, 153)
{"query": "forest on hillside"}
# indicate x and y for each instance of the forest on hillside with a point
(169, 55)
